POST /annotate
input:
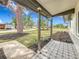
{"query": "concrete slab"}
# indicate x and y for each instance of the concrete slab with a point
(15, 50)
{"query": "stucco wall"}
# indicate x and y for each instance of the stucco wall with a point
(73, 29)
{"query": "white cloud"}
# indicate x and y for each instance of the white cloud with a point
(27, 12)
(1, 21)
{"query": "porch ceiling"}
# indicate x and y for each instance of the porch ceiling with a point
(55, 7)
(3, 2)
(49, 7)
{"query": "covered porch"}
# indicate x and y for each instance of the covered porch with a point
(51, 8)
(63, 49)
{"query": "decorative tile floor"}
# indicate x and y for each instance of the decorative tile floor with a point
(57, 50)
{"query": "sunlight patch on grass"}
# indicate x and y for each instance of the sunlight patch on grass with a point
(32, 36)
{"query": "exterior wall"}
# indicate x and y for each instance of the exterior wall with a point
(9, 26)
(2, 26)
(73, 30)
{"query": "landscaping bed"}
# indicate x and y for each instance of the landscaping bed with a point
(2, 55)
(58, 36)
(30, 38)
(62, 36)
(34, 47)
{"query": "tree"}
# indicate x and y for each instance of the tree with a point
(47, 23)
(59, 26)
(28, 21)
(43, 23)
(14, 22)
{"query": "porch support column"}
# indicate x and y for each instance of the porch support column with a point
(39, 29)
(19, 20)
(51, 28)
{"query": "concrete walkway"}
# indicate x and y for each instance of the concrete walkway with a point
(57, 50)
(15, 50)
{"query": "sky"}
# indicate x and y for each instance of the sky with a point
(6, 16)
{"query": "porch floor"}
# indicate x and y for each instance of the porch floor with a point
(58, 49)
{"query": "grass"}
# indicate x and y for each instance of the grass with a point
(30, 38)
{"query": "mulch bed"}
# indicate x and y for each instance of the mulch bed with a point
(62, 36)
(2, 55)
(34, 47)
(59, 36)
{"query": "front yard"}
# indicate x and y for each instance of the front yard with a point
(28, 38)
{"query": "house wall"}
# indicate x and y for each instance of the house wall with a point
(73, 29)
(2, 26)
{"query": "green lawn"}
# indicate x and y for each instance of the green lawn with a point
(30, 38)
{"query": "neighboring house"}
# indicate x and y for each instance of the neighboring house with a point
(6, 26)
(2, 26)
(9, 26)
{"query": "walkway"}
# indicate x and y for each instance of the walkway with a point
(15, 50)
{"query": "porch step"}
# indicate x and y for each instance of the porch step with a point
(15, 50)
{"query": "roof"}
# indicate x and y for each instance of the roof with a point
(3, 1)
(50, 7)
(58, 6)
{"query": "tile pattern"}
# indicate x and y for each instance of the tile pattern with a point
(57, 50)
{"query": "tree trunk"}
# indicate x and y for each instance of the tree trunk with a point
(19, 20)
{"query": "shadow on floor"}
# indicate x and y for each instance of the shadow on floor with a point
(2, 55)
(34, 47)
(12, 36)
(62, 36)
(59, 36)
